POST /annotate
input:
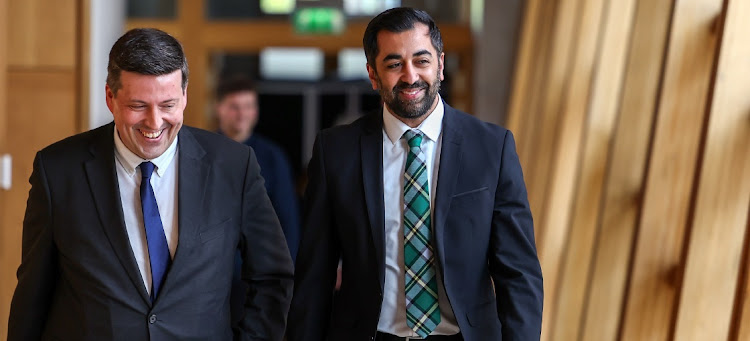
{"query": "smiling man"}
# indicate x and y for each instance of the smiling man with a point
(426, 207)
(131, 229)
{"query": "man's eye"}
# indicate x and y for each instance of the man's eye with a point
(137, 107)
(393, 66)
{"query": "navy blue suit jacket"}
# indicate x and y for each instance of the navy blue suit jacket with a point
(484, 236)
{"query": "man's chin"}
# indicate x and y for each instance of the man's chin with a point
(152, 152)
(410, 114)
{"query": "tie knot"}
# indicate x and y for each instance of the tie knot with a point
(146, 169)
(414, 138)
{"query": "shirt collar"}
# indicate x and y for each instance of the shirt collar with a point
(130, 161)
(431, 126)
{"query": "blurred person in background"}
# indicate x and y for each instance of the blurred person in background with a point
(237, 115)
(425, 206)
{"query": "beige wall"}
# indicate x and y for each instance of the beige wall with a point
(632, 124)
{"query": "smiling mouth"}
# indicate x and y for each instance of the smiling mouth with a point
(151, 135)
(411, 93)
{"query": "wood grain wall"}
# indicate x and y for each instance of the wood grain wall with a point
(633, 126)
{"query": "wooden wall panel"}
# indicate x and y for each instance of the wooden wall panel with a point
(527, 102)
(39, 123)
(741, 322)
(658, 256)
(534, 103)
(532, 109)
(623, 188)
(43, 33)
(540, 144)
(567, 149)
(532, 29)
(638, 173)
(602, 111)
(720, 210)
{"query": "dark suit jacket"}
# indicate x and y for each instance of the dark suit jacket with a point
(277, 173)
(482, 226)
(78, 278)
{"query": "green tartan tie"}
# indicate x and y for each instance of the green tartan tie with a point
(422, 313)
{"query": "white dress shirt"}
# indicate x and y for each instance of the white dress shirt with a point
(164, 183)
(393, 311)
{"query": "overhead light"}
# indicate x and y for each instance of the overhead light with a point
(292, 63)
(277, 6)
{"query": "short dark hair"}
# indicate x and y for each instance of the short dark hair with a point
(397, 20)
(233, 85)
(146, 51)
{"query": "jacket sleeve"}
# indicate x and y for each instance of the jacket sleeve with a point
(37, 275)
(317, 258)
(267, 267)
(513, 262)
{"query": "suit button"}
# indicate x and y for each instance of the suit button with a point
(152, 319)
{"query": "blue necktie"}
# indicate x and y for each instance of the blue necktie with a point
(158, 250)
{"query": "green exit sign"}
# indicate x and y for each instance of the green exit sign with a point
(318, 20)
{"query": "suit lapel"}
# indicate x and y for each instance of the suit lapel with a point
(191, 185)
(450, 162)
(371, 152)
(102, 179)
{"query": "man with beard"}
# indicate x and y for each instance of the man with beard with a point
(426, 207)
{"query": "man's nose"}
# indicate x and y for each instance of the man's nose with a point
(410, 75)
(153, 118)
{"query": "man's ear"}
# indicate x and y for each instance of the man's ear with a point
(184, 97)
(441, 64)
(109, 97)
(373, 75)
